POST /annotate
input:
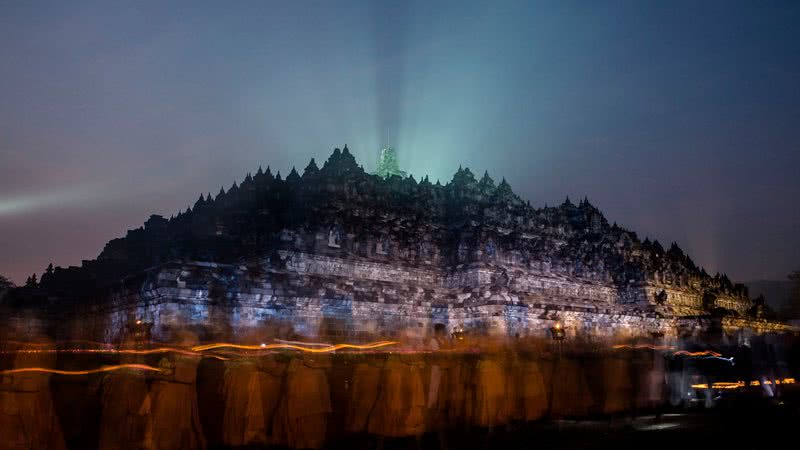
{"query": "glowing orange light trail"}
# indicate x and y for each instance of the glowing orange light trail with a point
(703, 353)
(728, 385)
(116, 351)
(332, 348)
(740, 384)
(104, 350)
(643, 346)
(306, 344)
(310, 347)
(81, 372)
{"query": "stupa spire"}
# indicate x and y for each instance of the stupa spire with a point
(387, 164)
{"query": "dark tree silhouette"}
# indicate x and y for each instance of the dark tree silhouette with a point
(5, 284)
(31, 282)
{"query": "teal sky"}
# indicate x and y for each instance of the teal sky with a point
(678, 119)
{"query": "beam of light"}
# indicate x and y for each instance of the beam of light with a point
(81, 372)
(304, 348)
(58, 198)
(721, 358)
(658, 426)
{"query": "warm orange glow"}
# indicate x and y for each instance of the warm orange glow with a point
(311, 347)
(720, 385)
(107, 350)
(703, 353)
(728, 385)
(643, 346)
(81, 372)
(741, 384)
(330, 348)
(118, 351)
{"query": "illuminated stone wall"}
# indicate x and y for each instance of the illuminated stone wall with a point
(323, 296)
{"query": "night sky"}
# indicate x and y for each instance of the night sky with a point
(678, 119)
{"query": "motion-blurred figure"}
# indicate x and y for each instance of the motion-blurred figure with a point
(490, 389)
(243, 419)
(653, 379)
(364, 390)
(571, 396)
(458, 378)
(534, 385)
(439, 367)
(677, 383)
(400, 408)
(272, 374)
(174, 420)
(435, 344)
(302, 417)
(618, 387)
(27, 416)
(123, 419)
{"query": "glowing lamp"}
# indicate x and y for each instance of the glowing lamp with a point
(557, 332)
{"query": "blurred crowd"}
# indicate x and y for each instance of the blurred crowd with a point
(439, 384)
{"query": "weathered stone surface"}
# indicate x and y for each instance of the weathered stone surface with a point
(349, 253)
(364, 298)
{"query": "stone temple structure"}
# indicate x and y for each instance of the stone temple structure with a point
(338, 251)
(388, 165)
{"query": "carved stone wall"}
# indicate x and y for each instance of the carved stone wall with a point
(356, 297)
